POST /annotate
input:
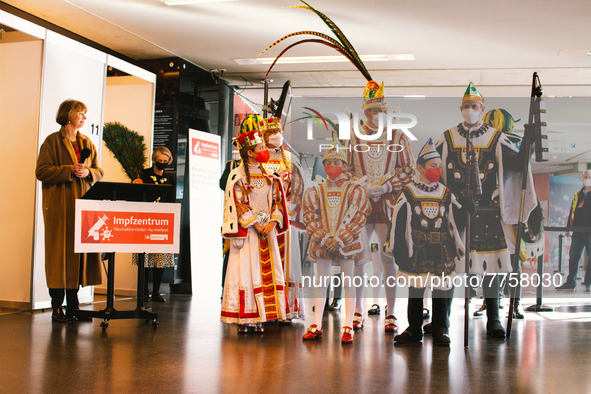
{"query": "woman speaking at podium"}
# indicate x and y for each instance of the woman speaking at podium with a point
(67, 166)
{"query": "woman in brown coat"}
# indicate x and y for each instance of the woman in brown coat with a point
(66, 175)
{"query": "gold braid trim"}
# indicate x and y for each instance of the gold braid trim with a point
(287, 168)
(244, 156)
(264, 172)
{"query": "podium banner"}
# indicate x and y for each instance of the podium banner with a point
(129, 227)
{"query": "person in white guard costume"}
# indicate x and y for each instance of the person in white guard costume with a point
(386, 171)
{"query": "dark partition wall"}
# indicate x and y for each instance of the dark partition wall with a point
(186, 97)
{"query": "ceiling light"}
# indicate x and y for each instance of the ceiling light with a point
(574, 53)
(323, 59)
(181, 2)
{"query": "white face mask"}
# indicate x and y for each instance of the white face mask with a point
(276, 139)
(471, 116)
(376, 119)
(587, 182)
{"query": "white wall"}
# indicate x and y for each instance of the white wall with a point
(130, 101)
(38, 70)
(20, 79)
(71, 70)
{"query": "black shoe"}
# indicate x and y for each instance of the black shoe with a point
(59, 316)
(441, 339)
(71, 316)
(374, 310)
(494, 328)
(336, 305)
(158, 298)
(566, 287)
(518, 312)
(84, 319)
(408, 337)
(428, 328)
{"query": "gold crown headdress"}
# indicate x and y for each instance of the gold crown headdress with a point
(249, 134)
(272, 123)
(373, 96)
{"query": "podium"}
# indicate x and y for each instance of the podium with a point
(125, 204)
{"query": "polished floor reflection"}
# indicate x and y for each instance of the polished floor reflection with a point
(192, 352)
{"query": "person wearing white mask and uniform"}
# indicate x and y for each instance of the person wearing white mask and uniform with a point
(499, 173)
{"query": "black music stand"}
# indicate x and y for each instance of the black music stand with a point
(137, 192)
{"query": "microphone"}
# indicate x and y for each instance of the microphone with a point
(84, 154)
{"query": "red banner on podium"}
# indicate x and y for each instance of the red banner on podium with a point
(116, 226)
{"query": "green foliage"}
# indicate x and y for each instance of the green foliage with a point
(127, 146)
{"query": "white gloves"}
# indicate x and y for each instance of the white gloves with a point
(377, 191)
(237, 243)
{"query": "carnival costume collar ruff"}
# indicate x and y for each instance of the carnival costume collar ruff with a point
(474, 133)
(338, 181)
(373, 130)
(423, 186)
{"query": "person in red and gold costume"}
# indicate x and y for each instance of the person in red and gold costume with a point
(254, 214)
(385, 171)
(334, 214)
(287, 167)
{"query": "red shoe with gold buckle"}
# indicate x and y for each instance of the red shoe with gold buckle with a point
(259, 329)
(313, 332)
(391, 325)
(243, 328)
(358, 321)
(347, 335)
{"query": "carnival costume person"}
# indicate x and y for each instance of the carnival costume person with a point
(425, 243)
(386, 171)
(334, 215)
(286, 166)
(497, 173)
(254, 213)
(533, 235)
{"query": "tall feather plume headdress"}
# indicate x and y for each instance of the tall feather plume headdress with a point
(341, 44)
